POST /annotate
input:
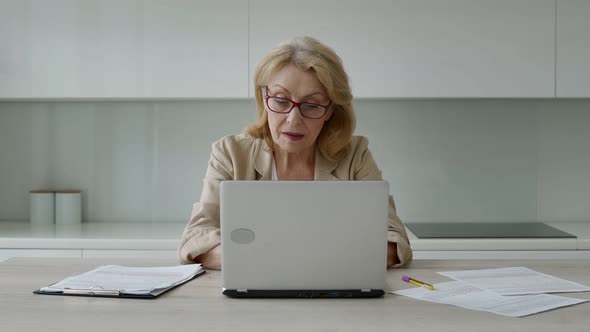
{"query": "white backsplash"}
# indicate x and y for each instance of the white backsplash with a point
(445, 159)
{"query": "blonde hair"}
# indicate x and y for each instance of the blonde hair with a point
(309, 54)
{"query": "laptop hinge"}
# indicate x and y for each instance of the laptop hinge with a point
(366, 290)
(242, 290)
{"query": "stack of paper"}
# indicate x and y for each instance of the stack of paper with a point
(116, 280)
(515, 281)
(504, 291)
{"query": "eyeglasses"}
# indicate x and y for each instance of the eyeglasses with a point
(284, 106)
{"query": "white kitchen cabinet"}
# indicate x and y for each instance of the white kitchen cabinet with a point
(10, 253)
(423, 48)
(171, 255)
(70, 49)
(196, 49)
(160, 240)
(359, 31)
(123, 49)
(474, 48)
(500, 254)
(209, 49)
(15, 71)
(573, 48)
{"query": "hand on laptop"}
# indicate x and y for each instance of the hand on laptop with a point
(211, 259)
(392, 254)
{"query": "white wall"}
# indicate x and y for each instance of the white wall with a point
(456, 160)
(446, 160)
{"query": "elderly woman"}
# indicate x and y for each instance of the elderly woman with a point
(304, 132)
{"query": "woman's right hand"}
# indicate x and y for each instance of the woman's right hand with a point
(211, 259)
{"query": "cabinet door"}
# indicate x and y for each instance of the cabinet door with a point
(359, 31)
(170, 255)
(11, 253)
(423, 48)
(573, 48)
(15, 57)
(196, 49)
(70, 49)
(474, 48)
(123, 48)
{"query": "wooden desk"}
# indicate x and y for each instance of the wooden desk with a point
(200, 306)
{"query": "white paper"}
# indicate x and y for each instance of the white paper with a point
(128, 280)
(515, 281)
(469, 297)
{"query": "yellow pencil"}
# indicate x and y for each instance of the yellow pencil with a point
(417, 282)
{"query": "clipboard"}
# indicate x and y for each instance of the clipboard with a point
(115, 293)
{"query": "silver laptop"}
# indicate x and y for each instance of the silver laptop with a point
(304, 238)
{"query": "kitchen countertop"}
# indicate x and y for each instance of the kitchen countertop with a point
(91, 235)
(579, 229)
(165, 236)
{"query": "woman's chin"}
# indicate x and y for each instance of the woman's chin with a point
(293, 146)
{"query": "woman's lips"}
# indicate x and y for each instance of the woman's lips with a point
(293, 136)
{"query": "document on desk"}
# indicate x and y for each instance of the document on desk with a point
(469, 297)
(124, 281)
(515, 281)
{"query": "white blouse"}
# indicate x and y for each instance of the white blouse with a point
(274, 176)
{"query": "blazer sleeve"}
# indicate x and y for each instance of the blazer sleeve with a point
(201, 234)
(367, 170)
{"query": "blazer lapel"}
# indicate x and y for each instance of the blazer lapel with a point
(324, 168)
(263, 161)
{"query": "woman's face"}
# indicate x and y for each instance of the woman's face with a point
(292, 132)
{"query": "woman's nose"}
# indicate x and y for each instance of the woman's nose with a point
(295, 115)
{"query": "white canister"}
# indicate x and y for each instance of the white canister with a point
(42, 207)
(68, 207)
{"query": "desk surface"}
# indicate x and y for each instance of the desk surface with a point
(199, 304)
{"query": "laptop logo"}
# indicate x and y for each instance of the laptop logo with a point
(242, 236)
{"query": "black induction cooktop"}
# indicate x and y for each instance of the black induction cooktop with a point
(486, 230)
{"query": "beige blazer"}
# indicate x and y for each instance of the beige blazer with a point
(242, 157)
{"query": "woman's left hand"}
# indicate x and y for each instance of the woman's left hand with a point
(391, 254)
